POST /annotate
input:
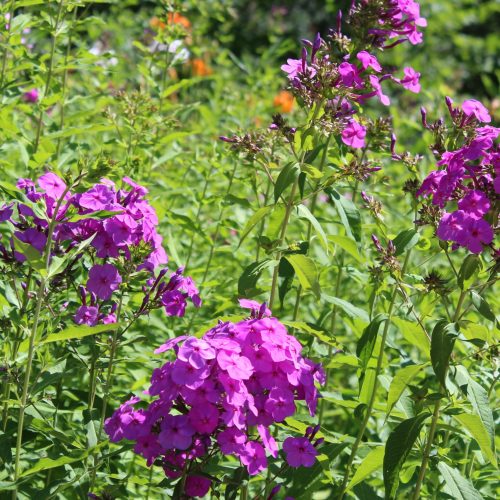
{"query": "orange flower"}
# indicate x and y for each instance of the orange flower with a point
(176, 18)
(200, 68)
(156, 24)
(284, 101)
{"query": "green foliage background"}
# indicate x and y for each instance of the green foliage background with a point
(138, 118)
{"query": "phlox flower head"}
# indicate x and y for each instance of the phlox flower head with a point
(354, 135)
(216, 389)
(465, 186)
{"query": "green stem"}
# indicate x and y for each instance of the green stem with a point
(378, 369)
(6, 51)
(309, 227)
(197, 219)
(64, 83)
(435, 418)
(333, 323)
(284, 226)
(262, 224)
(217, 229)
(49, 75)
(33, 334)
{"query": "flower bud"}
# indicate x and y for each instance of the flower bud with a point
(423, 113)
(377, 244)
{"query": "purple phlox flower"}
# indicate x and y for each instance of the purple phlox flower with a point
(475, 204)
(268, 440)
(86, 315)
(254, 457)
(176, 432)
(6, 212)
(196, 352)
(354, 135)
(53, 185)
(121, 228)
(141, 190)
(254, 306)
(368, 61)
(148, 447)
(169, 344)
(410, 80)
(451, 226)
(197, 486)
(103, 280)
(375, 83)
(174, 302)
(231, 441)
(204, 418)
(99, 197)
(280, 404)
(185, 374)
(472, 107)
(32, 237)
(105, 245)
(349, 75)
(476, 232)
(31, 96)
(299, 452)
(238, 367)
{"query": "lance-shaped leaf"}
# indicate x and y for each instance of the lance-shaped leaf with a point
(468, 271)
(286, 178)
(456, 485)
(304, 213)
(254, 220)
(366, 343)
(400, 382)
(397, 448)
(372, 462)
(442, 341)
(306, 271)
(405, 240)
(348, 213)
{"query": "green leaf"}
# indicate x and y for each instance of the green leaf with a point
(100, 214)
(468, 271)
(304, 213)
(474, 425)
(456, 485)
(372, 462)
(397, 448)
(443, 339)
(483, 307)
(400, 382)
(306, 271)
(349, 214)
(254, 220)
(286, 178)
(413, 334)
(478, 398)
(301, 326)
(405, 240)
(79, 331)
(347, 244)
(366, 343)
(251, 274)
(350, 309)
(306, 480)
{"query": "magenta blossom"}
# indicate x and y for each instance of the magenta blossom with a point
(31, 96)
(471, 107)
(369, 61)
(354, 135)
(103, 280)
(299, 452)
(410, 80)
(475, 203)
(197, 486)
(254, 457)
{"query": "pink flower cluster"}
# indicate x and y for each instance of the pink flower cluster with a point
(116, 227)
(222, 393)
(469, 181)
(357, 77)
(398, 20)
